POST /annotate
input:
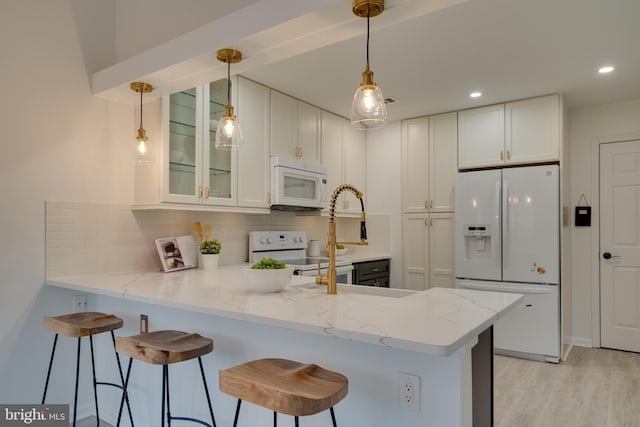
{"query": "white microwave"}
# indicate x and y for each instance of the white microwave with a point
(296, 185)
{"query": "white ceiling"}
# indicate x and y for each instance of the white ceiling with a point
(508, 49)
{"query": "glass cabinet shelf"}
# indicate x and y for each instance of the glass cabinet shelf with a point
(189, 168)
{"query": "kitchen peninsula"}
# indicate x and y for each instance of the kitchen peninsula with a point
(370, 335)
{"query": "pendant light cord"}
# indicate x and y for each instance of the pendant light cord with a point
(229, 83)
(141, 108)
(368, 14)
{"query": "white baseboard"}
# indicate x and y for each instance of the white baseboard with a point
(580, 342)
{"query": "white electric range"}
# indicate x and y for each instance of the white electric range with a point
(290, 247)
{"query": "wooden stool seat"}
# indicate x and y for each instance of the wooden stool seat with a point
(82, 324)
(285, 386)
(79, 325)
(164, 347)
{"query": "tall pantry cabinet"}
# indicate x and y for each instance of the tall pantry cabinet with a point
(429, 167)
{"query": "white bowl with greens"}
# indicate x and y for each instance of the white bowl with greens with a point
(267, 275)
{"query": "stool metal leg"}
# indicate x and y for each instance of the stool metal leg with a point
(124, 393)
(46, 384)
(95, 383)
(206, 391)
(75, 398)
(333, 417)
(235, 420)
(275, 419)
(297, 421)
(126, 397)
(166, 375)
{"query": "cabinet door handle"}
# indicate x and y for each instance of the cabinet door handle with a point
(206, 192)
(430, 222)
(426, 222)
(508, 154)
(200, 192)
(268, 197)
(501, 155)
(426, 204)
(375, 270)
(430, 204)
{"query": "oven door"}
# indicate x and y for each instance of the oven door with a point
(297, 188)
(344, 274)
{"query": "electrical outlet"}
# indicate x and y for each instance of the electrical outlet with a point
(409, 391)
(79, 303)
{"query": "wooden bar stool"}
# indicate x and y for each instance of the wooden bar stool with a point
(284, 386)
(80, 325)
(164, 348)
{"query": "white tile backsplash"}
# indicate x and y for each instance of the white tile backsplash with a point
(85, 238)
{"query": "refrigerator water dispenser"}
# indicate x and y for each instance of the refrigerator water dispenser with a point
(477, 239)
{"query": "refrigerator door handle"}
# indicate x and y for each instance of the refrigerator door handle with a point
(496, 219)
(530, 289)
(506, 204)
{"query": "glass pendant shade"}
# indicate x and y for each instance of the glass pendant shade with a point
(228, 133)
(368, 110)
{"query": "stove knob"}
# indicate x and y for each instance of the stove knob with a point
(263, 240)
(269, 240)
(296, 240)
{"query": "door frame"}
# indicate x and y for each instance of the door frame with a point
(595, 227)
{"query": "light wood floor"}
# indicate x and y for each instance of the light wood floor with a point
(593, 388)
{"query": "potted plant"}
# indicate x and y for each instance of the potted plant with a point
(210, 250)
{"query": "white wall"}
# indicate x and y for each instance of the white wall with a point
(587, 124)
(58, 142)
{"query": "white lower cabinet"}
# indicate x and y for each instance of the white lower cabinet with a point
(428, 254)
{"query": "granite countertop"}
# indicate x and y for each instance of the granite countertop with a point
(437, 321)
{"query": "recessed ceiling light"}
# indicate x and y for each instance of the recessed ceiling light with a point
(606, 69)
(475, 94)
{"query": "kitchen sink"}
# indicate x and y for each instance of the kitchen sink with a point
(358, 289)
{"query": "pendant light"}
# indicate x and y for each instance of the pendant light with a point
(228, 133)
(368, 110)
(142, 139)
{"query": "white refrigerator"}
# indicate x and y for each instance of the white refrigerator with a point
(507, 239)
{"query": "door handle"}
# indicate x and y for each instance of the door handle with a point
(607, 255)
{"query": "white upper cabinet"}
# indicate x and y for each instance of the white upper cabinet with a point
(295, 128)
(193, 173)
(344, 155)
(443, 156)
(253, 158)
(429, 158)
(519, 132)
(332, 155)
(193, 170)
(355, 165)
(532, 130)
(481, 137)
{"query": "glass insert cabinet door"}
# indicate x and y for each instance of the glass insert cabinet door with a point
(197, 171)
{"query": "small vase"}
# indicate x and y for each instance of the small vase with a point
(210, 261)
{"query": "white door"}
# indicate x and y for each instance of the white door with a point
(620, 245)
(441, 250)
(415, 242)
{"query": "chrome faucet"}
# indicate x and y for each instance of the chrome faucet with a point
(330, 278)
